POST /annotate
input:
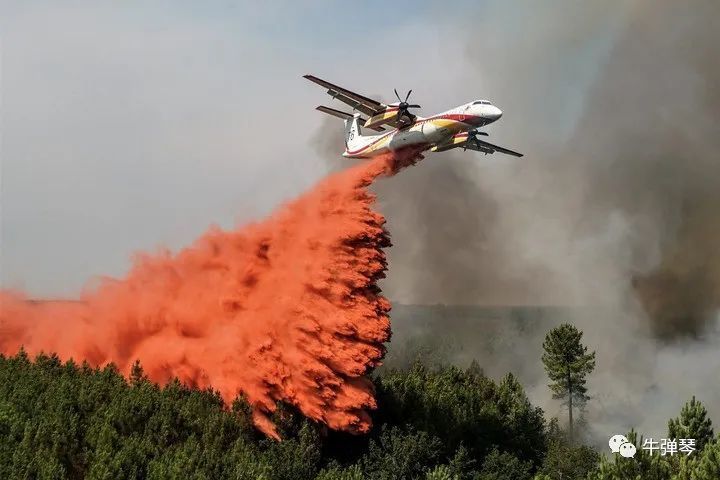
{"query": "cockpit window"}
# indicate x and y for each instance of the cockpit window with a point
(481, 102)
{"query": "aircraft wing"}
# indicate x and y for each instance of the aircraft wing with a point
(486, 147)
(366, 105)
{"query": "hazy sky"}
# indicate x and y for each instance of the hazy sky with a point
(131, 125)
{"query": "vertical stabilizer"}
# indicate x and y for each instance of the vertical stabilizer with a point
(353, 137)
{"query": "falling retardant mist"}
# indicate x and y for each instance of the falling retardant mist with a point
(282, 310)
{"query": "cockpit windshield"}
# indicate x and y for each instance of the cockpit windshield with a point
(482, 102)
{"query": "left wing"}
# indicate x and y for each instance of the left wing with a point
(380, 114)
(359, 102)
(486, 147)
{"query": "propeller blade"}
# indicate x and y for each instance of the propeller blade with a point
(413, 106)
(397, 95)
(408, 95)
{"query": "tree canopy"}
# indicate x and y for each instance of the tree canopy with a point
(64, 420)
(67, 420)
(693, 422)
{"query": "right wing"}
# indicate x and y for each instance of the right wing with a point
(486, 147)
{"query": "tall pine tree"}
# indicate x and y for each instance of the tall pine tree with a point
(567, 363)
(708, 467)
(692, 423)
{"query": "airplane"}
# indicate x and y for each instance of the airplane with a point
(454, 128)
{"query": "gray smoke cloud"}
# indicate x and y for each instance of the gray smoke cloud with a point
(617, 214)
(656, 161)
(645, 151)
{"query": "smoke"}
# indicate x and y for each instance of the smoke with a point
(628, 207)
(656, 161)
(646, 151)
(615, 209)
(626, 215)
(283, 310)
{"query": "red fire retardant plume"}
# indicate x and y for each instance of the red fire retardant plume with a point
(286, 309)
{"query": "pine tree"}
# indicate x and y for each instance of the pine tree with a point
(441, 472)
(692, 423)
(336, 473)
(567, 363)
(708, 467)
(137, 374)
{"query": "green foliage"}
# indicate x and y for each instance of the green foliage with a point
(684, 467)
(441, 472)
(353, 472)
(700, 465)
(64, 421)
(68, 421)
(504, 466)
(567, 460)
(707, 466)
(399, 453)
(692, 423)
(567, 363)
(463, 407)
(646, 465)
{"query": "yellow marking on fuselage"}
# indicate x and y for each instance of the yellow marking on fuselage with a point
(453, 126)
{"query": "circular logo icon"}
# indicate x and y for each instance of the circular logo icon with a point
(616, 441)
(627, 450)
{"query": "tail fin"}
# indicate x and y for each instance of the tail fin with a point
(353, 137)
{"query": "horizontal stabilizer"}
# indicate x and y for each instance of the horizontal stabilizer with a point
(345, 116)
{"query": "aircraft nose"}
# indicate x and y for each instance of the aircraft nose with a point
(494, 113)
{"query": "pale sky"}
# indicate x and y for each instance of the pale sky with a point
(127, 126)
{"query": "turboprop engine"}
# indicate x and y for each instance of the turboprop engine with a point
(397, 112)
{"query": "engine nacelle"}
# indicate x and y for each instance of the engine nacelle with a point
(387, 116)
(457, 140)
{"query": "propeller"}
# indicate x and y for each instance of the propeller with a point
(403, 106)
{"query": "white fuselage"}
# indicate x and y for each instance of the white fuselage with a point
(423, 133)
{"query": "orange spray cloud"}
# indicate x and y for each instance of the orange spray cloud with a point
(282, 310)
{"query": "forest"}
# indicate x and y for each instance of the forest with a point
(69, 420)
